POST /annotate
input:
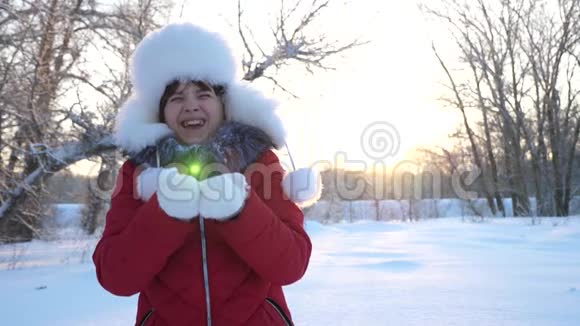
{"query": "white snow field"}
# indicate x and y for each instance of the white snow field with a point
(434, 272)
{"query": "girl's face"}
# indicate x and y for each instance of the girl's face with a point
(194, 112)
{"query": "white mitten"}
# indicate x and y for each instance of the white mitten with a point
(223, 196)
(178, 194)
(147, 183)
(303, 186)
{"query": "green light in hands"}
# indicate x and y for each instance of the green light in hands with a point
(194, 169)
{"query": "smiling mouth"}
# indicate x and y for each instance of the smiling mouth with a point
(193, 124)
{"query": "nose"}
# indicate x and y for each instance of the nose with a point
(190, 105)
(189, 108)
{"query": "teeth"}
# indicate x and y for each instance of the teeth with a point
(193, 123)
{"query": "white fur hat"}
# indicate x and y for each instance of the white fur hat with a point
(187, 52)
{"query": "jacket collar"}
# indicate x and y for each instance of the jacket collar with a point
(248, 143)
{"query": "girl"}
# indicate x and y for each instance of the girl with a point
(200, 222)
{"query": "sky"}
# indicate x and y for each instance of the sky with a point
(386, 90)
(392, 81)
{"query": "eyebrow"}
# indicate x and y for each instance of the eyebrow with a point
(199, 90)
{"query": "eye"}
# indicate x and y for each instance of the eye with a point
(205, 95)
(176, 98)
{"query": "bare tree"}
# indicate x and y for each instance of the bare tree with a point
(522, 55)
(470, 133)
(293, 40)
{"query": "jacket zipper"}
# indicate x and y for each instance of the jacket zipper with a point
(280, 312)
(146, 317)
(205, 272)
(203, 258)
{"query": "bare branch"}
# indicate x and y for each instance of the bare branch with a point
(280, 86)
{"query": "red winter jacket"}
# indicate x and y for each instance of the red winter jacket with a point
(249, 258)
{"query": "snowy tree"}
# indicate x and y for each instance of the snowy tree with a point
(46, 62)
(516, 88)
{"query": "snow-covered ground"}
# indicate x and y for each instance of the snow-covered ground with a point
(434, 272)
(391, 209)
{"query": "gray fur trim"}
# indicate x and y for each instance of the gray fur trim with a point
(248, 142)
